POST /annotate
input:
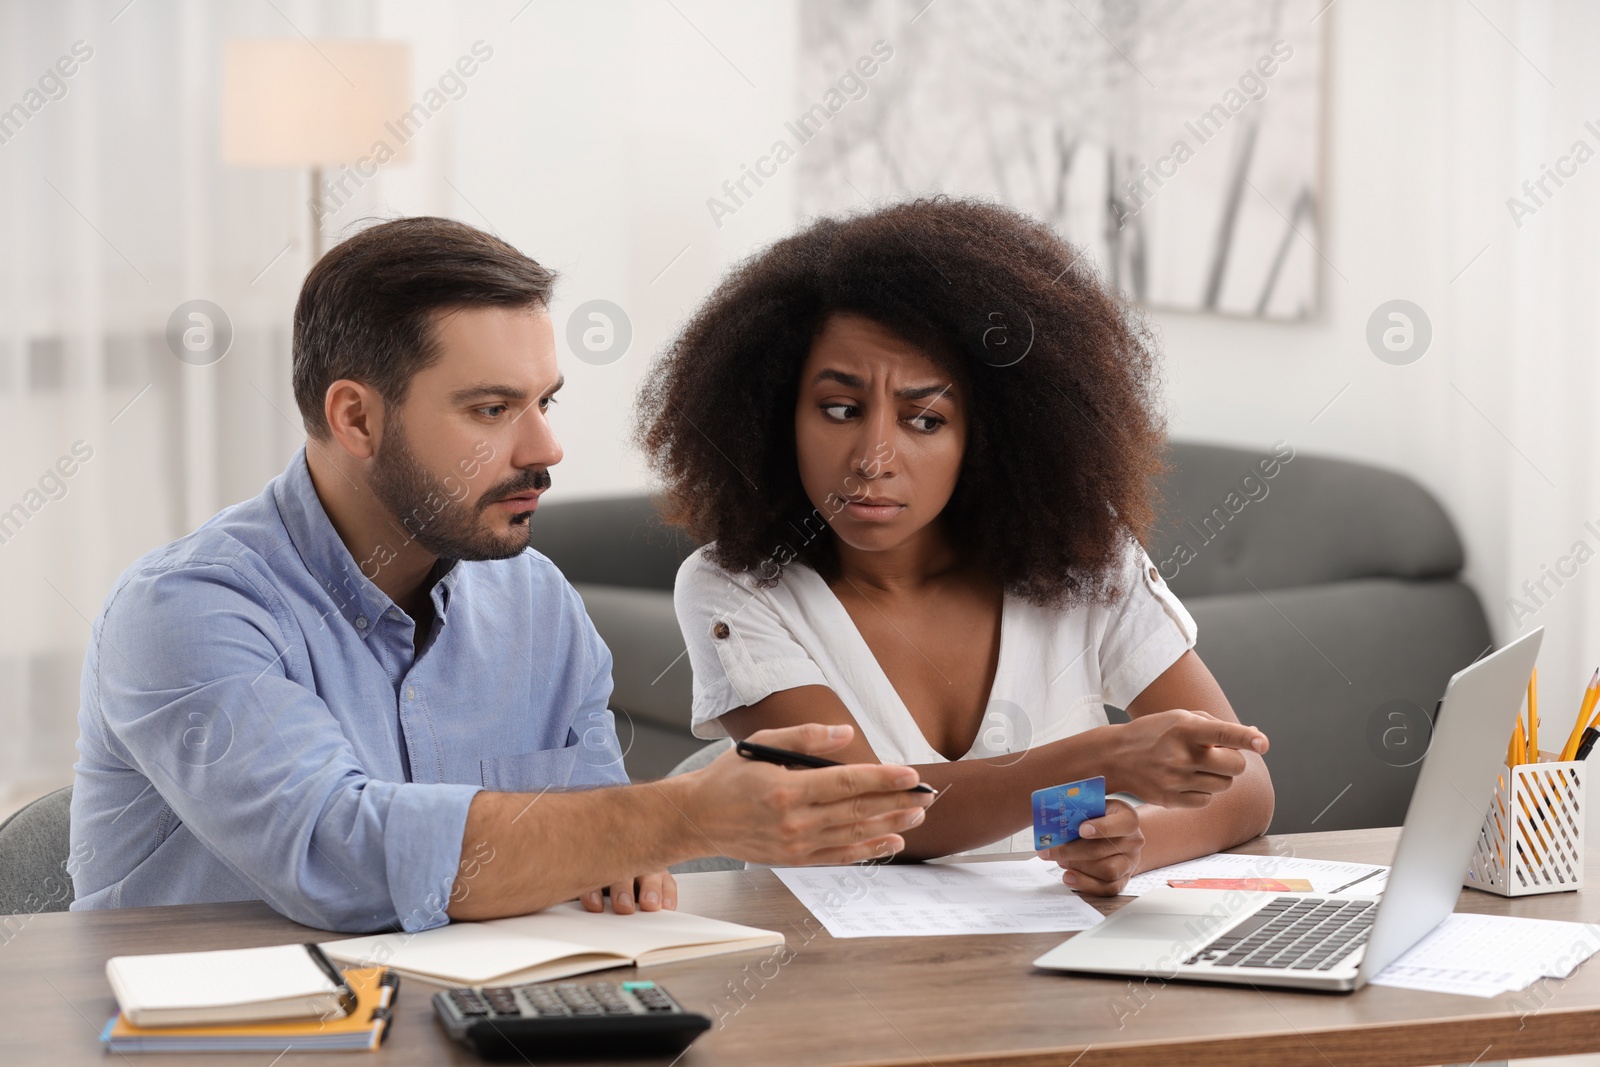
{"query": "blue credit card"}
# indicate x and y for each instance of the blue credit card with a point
(1060, 809)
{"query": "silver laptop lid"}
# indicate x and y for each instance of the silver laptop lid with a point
(1447, 809)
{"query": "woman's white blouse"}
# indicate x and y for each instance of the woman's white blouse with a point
(1057, 669)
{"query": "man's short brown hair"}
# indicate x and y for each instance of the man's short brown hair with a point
(366, 309)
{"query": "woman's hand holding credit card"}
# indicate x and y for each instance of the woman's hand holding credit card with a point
(1095, 838)
(1059, 810)
(1177, 759)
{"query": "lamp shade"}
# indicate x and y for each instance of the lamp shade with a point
(292, 102)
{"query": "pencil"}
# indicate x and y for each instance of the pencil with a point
(1592, 703)
(1519, 746)
(1533, 716)
(1590, 696)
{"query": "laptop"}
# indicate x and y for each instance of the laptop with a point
(1334, 943)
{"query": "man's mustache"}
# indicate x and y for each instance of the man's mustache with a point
(527, 482)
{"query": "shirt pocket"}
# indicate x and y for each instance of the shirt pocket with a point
(530, 772)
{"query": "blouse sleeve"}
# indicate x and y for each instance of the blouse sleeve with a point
(1145, 632)
(739, 647)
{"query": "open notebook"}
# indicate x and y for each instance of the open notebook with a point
(562, 941)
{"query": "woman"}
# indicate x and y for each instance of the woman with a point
(919, 445)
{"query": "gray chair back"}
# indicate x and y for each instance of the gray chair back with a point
(34, 847)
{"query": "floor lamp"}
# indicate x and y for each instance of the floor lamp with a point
(295, 102)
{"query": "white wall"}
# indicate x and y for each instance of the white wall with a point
(591, 140)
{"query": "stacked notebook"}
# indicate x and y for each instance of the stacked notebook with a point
(246, 1000)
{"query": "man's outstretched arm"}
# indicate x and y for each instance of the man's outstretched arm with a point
(550, 847)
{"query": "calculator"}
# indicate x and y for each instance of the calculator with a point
(590, 1020)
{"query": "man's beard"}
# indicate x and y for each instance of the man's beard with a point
(449, 529)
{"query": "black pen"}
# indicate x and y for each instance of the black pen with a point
(784, 758)
(1587, 744)
(347, 996)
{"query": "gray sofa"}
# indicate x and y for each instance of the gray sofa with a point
(1328, 596)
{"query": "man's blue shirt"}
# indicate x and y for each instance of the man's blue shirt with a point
(255, 723)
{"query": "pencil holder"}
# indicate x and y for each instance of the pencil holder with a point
(1532, 837)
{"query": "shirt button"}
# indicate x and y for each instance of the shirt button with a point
(361, 622)
(1154, 577)
(394, 615)
(411, 692)
(720, 631)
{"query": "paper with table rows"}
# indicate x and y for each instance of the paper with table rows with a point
(1486, 955)
(999, 897)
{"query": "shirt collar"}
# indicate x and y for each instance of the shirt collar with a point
(446, 574)
(356, 597)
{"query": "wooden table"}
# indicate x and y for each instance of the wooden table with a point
(936, 1000)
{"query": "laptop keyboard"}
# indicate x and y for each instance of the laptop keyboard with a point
(1293, 933)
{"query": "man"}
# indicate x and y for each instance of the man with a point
(361, 697)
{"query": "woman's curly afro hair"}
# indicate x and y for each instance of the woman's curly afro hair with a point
(1064, 443)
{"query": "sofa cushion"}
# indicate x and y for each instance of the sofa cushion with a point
(1325, 594)
(619, 541)
(1343, 678)
(650, 673)
(1225, 524)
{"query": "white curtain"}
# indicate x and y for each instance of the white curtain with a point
(1530, 323)
(115, 208)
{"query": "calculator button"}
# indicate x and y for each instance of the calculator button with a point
(468, 1004)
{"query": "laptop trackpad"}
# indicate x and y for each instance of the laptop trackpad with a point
(1153, 926)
